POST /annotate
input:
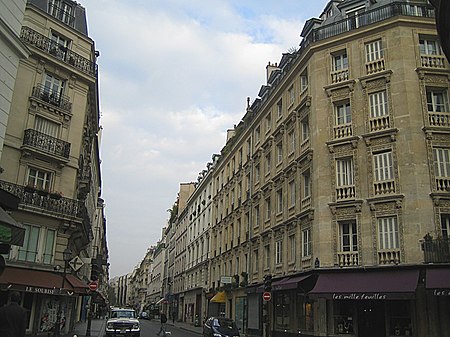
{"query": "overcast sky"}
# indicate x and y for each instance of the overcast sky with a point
(174, 76)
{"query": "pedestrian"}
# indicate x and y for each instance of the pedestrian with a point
(13, 318)
(162, 330)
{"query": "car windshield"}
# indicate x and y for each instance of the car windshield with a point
(123, 314)
(223, 322)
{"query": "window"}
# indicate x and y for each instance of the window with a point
(257, 134)
(257, 173)
(441, 162)
(428, 46)
(280, 200)
(292, 194)
(437, 100)
(343, 113)
(267, 256)
(445, 225)
(340, 61)
(283, 312)
(291, 143)
(46, 126)
(382, 166)
(278, 252)
(268, 163)
(268, 210)
(344, 172)
(256, 262)
(305, 129)
(49, 246)
(268, 122)
(53, 88)
(306, 184)
(291, 94)
(304, 80)
(378, 104)
(388, 233)
(292, 248)
(348, 237)
(280, 108)
(373, 51)
(306, 241)
(39, 179)
(279, 153)
(29, 250)
(257, 216)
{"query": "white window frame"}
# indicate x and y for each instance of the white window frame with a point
(306, 177)
(291, 95)
(437, 100)
(383, 166)
(279, 152)
(278, 252)
(304, 80)
(292, 141)
(305, 129)
(306, 243)
(429, 46)
(344, 172)
(445, 226)
(280, 200)
(388, 233)
(441, 161)
(39, 179)
(292, 248)
(280, 108)
(53, 86)
(343, 113)
(292, 193)
(340, 60)
(378, 104)
(373, 51)
(348, 234)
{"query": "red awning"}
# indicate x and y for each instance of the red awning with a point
(288, 283)
(40, 281)
(437, 278)
(366, 285)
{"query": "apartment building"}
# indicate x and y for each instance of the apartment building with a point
(335, 182)
(51, 164)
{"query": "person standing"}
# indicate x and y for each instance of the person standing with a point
(162, 330)
(13, 318)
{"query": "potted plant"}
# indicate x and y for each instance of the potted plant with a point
(42, 193)
(55, 195)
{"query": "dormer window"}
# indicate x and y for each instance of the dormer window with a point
(353, 16)
(61, 10)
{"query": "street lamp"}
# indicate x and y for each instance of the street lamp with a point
(67, 255)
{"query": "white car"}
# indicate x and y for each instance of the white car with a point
(122, 322)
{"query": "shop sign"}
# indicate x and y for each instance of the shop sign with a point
(360, 296)
(441, 292)
(45, 291)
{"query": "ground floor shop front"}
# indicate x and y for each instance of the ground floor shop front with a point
(47, 297)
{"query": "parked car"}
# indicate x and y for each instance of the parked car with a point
(220, 327)
(144, 315)
(122, 322)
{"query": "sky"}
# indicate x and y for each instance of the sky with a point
(174, 75)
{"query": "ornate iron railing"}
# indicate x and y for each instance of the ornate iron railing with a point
(373, 16)
(52, 97)
(57, 50)
(46, 143)
(436, 250)
(30, 197)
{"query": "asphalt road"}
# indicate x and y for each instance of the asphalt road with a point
(150, 328)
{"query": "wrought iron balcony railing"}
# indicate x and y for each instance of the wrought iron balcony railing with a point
(436, 250)
(57, 50)
(373, 16)
(63, 207)
(52, 97)
(46, 143)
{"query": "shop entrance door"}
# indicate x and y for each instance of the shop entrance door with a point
(371, 319)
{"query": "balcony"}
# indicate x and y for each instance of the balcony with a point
(339, 76)
(39, 41)
(384, 187)
(379, 123)
(348, 259)
(389, 256)
(40, 141)
(52, 98)
(436, 250)
(370, 17)
(432, 61)
(442, 184)
(343, 131)
(43, 202)
(375, 66)
(345, 193)
(439, 119)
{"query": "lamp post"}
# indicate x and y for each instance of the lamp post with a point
(67, 255)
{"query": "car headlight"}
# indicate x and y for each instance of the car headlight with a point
(136, 326)
(109, 326)
(215, 334)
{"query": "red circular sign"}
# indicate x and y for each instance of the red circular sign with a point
(267, 296)
(93, 286)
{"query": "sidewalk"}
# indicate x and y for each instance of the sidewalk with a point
(185, 326)
(97, 329)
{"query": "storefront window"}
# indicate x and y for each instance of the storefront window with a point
(343, 317)
(282, 310)
(399, 319)
(305, 313)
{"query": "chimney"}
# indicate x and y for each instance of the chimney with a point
(269, 70)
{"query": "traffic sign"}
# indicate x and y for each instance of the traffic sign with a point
(267, 296)
(76, 263)
(93, 286)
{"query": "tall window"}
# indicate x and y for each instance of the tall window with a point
(429, 46)
(306, 242)
(344, 172)
(445, 225)
(382, 166)
(257, 216)
(278, 252)
(267, 256)
(340, 61)
(280, 200)
(268, 163)
(291, 95)
(39, 179)
(280, 108)
(348, 236)
(257, 173)
(304, 80)
(305, 129)
(291, 143)
(46, 126)
(374, 51)
(257, 134)
(388, 233)
(279, 152)
(378, 104)
(437, 100)
(256, 260)
(268, 122)
(306, 184)
(292, 194)
(49, 245)
(268, 210)
(292, 248)
(343, 113)
(441, 162)
(29, 250)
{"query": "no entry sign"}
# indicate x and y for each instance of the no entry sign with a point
(267, 296)
(93, 286)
